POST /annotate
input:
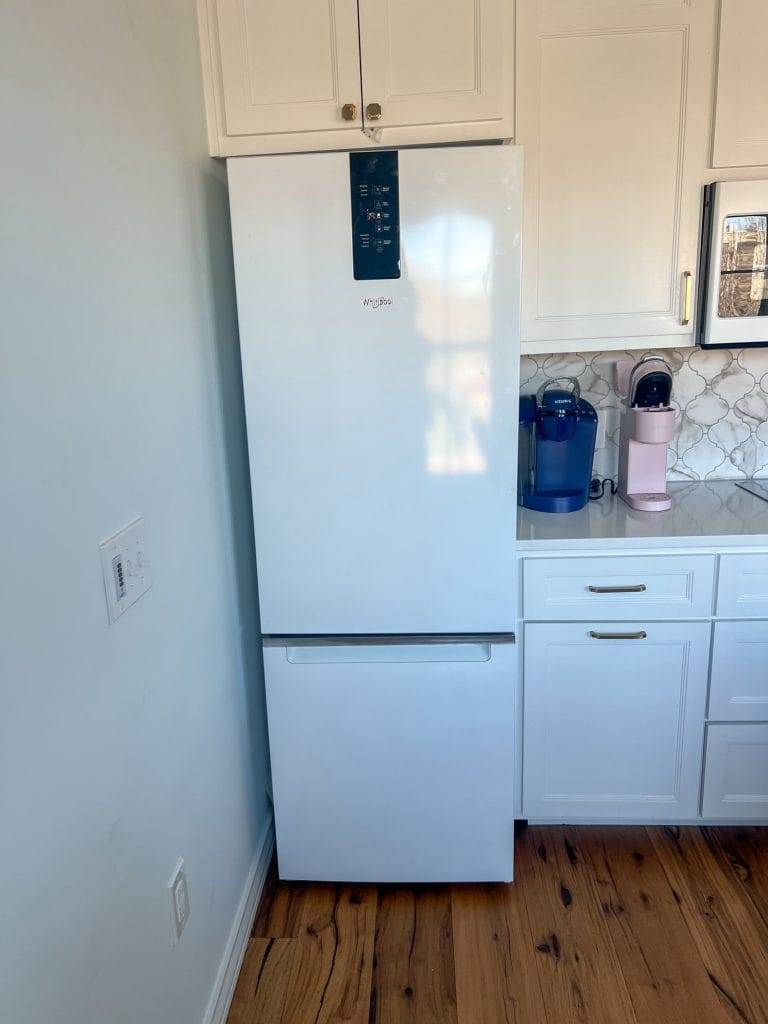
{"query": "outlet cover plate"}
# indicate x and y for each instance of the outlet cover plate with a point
(178, 893)
(125, 567)
(600, 439)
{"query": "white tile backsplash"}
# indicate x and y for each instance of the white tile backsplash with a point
(721, 397)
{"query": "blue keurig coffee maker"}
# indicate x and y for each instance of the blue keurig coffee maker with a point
(558, 429)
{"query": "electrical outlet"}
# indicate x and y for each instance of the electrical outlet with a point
(601, 425)
(178, 893)
(125, 567)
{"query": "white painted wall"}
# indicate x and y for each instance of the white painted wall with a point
(121, 747)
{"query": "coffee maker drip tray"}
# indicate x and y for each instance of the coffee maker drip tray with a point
(649, 502)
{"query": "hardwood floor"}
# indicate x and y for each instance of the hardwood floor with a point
(603, 926)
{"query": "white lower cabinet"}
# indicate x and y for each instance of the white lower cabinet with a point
(614, 719)
(739, 684)
(742, 589)
(619, 587)
(736, 772)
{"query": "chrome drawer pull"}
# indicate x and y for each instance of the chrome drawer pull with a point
(636, 588)
(639, 635)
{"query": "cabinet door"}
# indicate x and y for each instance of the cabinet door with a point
(614, 727)
(741, 118)
(614, 114)
(742, 588)
(736, 772)
(438, 62)
(288, 66)
(739, 685)
(393, 762)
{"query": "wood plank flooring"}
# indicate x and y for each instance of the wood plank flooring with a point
(622, 925)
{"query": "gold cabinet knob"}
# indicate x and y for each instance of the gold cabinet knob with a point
(373, 111)
(349, 111)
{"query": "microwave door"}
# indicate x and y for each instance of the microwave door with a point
(734, 310)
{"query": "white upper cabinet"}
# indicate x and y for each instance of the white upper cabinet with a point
(274, 70)
(298, 75)
(435, 62)
(289, 66)
(741, 118)
(614, 113)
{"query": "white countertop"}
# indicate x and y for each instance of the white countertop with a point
(711, 514)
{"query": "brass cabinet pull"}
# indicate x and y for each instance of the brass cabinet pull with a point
(639, 635)
(685, 319)
(634, 588)
(349, 111)
(373, 111)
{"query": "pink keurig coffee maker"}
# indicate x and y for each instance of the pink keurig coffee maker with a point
(647, 426)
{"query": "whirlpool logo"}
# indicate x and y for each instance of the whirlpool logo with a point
(379, 302)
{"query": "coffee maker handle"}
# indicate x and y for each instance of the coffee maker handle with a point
(559, 380)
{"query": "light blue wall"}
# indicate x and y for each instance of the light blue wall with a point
(121, 747)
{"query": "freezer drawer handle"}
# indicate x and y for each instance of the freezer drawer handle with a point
(384, 639)
(635, 588)
(639, 635)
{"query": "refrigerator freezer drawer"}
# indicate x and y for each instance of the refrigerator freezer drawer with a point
(393, 767)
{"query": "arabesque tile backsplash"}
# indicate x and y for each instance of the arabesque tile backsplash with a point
(721, 397)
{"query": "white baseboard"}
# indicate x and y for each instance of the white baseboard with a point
(229, 969)
(648, 822)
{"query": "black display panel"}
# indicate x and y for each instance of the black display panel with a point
(375, 215)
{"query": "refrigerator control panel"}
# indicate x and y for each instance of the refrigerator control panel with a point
(375, 215)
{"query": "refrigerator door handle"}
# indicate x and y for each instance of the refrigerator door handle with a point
(392, 654)
(389, 649)
(387, 640)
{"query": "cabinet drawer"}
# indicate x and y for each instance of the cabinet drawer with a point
(393, 762)
(739, 687)
(743, 585)
(736, 772)
(618, 587)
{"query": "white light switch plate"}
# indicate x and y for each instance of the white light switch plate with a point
(126, 568)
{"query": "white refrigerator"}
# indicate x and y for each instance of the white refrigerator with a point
(378, 299)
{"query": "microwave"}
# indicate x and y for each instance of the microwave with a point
(733, 299)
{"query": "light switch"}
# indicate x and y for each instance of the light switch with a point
(178, 890)
(126, 569)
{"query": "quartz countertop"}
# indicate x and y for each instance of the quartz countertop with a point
(708, 514)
